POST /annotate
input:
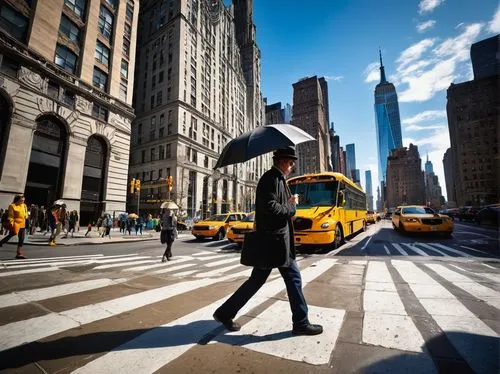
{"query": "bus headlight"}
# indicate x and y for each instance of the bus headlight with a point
(325, 225)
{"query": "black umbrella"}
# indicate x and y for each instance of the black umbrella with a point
(261, 140)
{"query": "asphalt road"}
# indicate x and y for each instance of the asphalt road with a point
(388, 302)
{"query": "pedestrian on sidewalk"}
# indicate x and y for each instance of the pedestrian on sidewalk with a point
(89, 229)
(54, 223)
(274, 210)
(168, 232)
(107, 223)
(65, 222)
(73, 218)
(138, 226)
(130, 225)
(17, 215)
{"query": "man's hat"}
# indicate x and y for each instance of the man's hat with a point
(288, 152)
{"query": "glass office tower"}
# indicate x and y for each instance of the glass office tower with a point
(387, 120)
(351, 161)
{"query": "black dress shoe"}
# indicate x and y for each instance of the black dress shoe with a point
(228, 323)
(308, 330)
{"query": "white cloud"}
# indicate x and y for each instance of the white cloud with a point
(411, 128)
(428, 115)
(334, 77)
(414, 52)
(424, 26)
(494, 24)
(459, 47)
(428, 5)
(371, 72)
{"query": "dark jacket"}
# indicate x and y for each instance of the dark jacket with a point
(273, 211)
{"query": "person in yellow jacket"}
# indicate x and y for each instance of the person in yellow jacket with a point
(18, 212)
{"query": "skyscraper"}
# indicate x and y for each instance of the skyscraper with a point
(388, 123)
(485, 57)
(351, 161)
(368, 190)
(310, 114)
(428, 166)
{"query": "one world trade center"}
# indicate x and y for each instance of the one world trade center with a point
(388, 121)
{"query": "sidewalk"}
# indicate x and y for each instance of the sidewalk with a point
(93, 238)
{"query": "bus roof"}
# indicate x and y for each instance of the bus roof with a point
(327, 175)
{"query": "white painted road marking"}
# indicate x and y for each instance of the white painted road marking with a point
(400, 250)
(415, 249)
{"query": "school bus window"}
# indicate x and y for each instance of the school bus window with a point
(315, 194)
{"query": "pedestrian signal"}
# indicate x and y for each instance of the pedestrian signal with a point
(132, 185)
(170, 183)
(137, 185)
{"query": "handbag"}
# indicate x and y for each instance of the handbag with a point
(264, 250)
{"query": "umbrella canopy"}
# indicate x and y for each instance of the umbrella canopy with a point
(261, 140)
(133, 215)
(169, 205)
(59, 202)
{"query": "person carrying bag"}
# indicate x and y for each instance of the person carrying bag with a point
(16, 218)
(168, 232)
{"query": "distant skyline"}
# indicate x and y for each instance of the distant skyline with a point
(425, 46)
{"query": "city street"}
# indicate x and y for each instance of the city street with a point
(388, 303)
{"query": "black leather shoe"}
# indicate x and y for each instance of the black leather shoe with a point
(309, 329)
(228, 323)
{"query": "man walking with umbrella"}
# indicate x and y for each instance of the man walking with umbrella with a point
(275, 207)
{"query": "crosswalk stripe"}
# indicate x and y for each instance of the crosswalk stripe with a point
(107, 260)
(387, 250)
(170, 269)
(176, 260)
(58, 263)
(490, 276)
(23, 297)
(130, 357)
(29, 271)
(489, 266)
(206, 253)
(217, 271)
(212, 257)
(122, 264)
(427, 246)
(456, 251)
(399, 249)
(53, 259)
(456, 321)
(185, 273)
(32, 329)
(468, 285)
(386, 322)
(474, 250)
(415, 249)
(222, 262)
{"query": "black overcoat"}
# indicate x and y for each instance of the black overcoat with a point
(273, 211)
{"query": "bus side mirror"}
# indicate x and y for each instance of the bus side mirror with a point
(340, 199)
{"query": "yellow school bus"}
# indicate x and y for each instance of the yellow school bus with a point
(330, 208)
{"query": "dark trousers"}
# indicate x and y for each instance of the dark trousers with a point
(293, 282)
(20, 236)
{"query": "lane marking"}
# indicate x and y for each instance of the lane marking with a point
(58, 263)
(122, 264)
(51, 259)
(413, 248)
(24, 297)
(474, 250)
(400, 250)
(456, 251)
(489, 266)
(169, 340)
(170, 269)
(426, 246)
(175, 260)
(206, 253)
(217, 271)
(212, 257)
(222, 262)
(490, 276)
(30, 271)
(366, 244)
(387, 250)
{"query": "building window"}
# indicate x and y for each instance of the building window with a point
(168, 152)
(102, 53)
(153, 122)
(53, 90)
(139, 133)
(126, 47)
(65, 59)
(161, 132)
(77, 6)
(153, 154)
(112, 3)
(152, 101)
(161, 153)
(160, 77)
(130, 11)
(105, 22)
(152, 135)
(100, 111)
(69, 98)
(169, 129)
(128, 30)
(151, 175)
(14, 23)
(143, 157)
(159, 98)
(123, 91)
(69, 29)
(100, 79)
(124, 69)
(9, 67)
(160, 173)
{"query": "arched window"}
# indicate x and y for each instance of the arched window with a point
(94, 171)
(48, 153)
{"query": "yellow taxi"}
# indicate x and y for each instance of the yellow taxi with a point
(417, 218)
(371, 216)
(216, 226)
(236, 234)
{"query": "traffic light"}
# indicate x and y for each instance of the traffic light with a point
(132, 185)
(170, 183)
(137, 185)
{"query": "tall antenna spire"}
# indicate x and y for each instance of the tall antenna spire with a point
(382, 70)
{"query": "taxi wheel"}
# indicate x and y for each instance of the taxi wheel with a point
(198, 237)
(339, 237)
(220, 235)
(401, 227)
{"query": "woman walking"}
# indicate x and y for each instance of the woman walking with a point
(168, 232)
(18, 212)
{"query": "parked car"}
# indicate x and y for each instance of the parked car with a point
(467, 213)
(216, 226)
(452, 212)
(372, 217)
(488, 216)
(416, 218)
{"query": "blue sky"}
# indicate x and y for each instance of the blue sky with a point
(425, 46)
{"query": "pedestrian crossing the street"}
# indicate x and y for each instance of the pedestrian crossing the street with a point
(143, 318)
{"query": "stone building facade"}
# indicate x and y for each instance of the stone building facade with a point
(449, 176)
(197, 87)
(310, 113)
(65, 102)
(405, 178)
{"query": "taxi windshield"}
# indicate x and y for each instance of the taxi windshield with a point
(315, 194)
(217, 218)
(417, 210)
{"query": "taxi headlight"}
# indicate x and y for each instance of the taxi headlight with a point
(411, 220)
(325, 225)
(211, 227)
